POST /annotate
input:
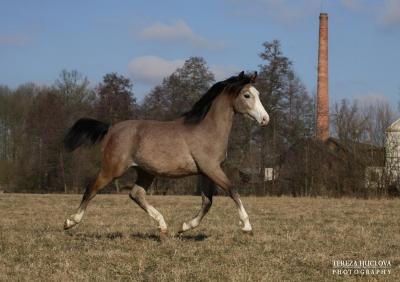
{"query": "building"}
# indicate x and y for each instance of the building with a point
(393, 152)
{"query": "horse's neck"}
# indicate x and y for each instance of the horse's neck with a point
(219, 119)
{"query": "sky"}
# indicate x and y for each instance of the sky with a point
(148, 40)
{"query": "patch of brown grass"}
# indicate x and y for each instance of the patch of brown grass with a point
(295, 239)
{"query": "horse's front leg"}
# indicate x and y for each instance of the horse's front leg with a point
(218, 176)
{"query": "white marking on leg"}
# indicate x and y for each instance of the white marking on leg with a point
(78, 216)
(185, 227)
(157, 216)
(74, 219)
(244, 217)
(192, 224)
(197, 219)
(69, 223)
(138, 195)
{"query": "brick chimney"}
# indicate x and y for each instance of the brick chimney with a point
(322, 130)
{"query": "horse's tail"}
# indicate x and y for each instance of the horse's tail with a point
(85, 131)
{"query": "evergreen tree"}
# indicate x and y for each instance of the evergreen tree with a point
(116, 101)
(179, 91)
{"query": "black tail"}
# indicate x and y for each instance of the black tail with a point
(85, 131)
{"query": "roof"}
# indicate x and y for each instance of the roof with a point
(365, 153)
(394, 127)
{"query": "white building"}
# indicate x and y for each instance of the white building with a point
(392, 151)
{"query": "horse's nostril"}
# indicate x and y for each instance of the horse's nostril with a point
(265, 120)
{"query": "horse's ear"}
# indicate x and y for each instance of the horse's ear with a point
(241, 74)
(253, 78)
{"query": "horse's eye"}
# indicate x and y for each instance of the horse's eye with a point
(247, 96)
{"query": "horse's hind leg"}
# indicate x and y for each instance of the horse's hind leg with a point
(208, 190)
(91, 190)
(138, 194)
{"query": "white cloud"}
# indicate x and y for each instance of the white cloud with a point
(177, 33)
(391, 13)
(151, 70)
(14, 40)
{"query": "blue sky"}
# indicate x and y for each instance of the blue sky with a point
(146, 40)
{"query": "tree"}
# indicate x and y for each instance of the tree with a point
(179, 91)
(284, 95)
(285, 98)
(116, 101)
(5, 122)
(78, 100)
(348, 123)
(45, 128)
(44, 115)
(14, 105)
(379, 115)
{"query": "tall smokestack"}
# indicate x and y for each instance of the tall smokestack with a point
(322, 130)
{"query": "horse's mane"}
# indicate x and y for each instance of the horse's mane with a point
(232, 85)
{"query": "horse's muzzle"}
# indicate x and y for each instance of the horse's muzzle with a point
(264, 120)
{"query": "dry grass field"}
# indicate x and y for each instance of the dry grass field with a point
(295, 239)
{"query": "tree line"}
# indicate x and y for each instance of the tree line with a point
(34, 119)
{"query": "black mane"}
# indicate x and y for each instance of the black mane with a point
(233, 85)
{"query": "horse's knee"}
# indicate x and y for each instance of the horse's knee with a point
(137, 190)
(134, 196)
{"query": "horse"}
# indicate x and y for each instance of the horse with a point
(193, 144)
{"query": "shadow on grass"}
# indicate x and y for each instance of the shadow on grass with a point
(198, 237)
(145, 236)
(136, 235)
(110, 235)
(114, 235)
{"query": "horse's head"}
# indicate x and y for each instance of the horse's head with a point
(248, 102)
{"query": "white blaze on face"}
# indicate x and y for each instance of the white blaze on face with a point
(258, 112)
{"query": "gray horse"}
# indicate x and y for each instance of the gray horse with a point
(195, 143)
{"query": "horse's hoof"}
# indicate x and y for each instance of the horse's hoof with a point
(68, 224)
(248, 232)
(185, 227)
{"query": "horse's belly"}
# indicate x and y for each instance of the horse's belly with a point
(166, 164)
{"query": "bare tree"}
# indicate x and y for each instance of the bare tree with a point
(379, 116)
(348, 123)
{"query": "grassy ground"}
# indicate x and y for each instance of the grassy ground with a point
(295, 239)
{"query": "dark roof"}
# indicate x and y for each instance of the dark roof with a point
(363, 154)
(367, 154)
